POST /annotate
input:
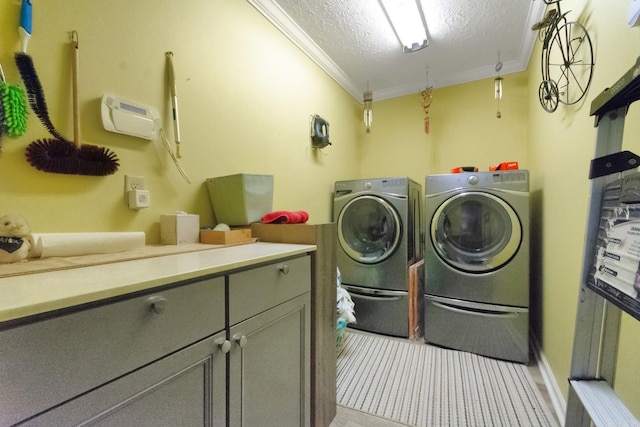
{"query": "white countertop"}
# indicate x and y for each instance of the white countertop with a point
(32, 294)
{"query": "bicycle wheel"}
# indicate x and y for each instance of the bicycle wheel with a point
(569, 62)
(548, 95)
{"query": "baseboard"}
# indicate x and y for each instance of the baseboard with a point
(557, 399)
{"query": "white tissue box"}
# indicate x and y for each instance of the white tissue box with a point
(179, 229)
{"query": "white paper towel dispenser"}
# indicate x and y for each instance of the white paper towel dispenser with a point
(129, 117)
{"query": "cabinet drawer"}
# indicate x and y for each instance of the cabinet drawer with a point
(256, 290)
(48, 362)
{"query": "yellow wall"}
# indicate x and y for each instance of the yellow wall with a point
(246, 94)
(561, 146)
(463, 130)
(245, 98)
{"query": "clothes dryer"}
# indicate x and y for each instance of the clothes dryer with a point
(477, 263)
(379, 236)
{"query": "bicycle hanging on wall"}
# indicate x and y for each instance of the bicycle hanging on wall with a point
(567, 59)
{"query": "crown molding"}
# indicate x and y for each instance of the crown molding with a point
(283, 22)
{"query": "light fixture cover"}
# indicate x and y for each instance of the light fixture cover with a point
(408, 22)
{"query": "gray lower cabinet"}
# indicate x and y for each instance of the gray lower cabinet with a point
(269, 368)
(161, 358)
(186, 388)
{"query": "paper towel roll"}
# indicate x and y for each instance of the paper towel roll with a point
(73, 244)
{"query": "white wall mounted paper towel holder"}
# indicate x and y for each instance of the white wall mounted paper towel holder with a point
(129, 117)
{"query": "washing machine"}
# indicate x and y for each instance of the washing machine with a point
(379, 224)
(477, 263)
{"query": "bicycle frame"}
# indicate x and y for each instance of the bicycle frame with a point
(567, 58)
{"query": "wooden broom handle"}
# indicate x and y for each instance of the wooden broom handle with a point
(76, 106)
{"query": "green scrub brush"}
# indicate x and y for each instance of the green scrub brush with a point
(1, 121)
(14, 105)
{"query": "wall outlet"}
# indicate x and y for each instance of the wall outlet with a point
(132, 183)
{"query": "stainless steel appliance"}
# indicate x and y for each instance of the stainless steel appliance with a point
(477, 263)
(379, 236)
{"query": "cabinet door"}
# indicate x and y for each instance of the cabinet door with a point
(46, 363)
(269, 367)
(186, 388)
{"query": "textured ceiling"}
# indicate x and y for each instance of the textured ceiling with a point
(354, 43)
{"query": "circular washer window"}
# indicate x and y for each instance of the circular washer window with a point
(369, 229)
(476, 232)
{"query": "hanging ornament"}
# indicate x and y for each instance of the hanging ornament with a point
(368, 110)
(497, 86)
(498, 93)
(426, 102)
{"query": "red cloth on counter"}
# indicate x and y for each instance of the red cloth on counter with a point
(285, 217)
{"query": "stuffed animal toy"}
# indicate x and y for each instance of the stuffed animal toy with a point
(16, 240)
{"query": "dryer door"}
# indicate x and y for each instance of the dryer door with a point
(369, 229)
(475, 232)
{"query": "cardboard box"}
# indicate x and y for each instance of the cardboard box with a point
(240, 199)
(178, 229)
(303, 234)
(232, 237)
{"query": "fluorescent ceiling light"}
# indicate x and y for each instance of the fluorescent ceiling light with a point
(408, 22)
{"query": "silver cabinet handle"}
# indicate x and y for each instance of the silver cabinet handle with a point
(158, 304)
(240, 339)
(223, 345)
(284, 269)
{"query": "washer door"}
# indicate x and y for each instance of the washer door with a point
(476, 232)
(369, 229)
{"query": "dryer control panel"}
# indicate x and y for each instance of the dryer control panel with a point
(516, 180)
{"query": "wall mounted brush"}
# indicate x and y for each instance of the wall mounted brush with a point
(14, 108)
(13, 120)
(24, 62)
(60, 155)
(1, 121)
(93, 160)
